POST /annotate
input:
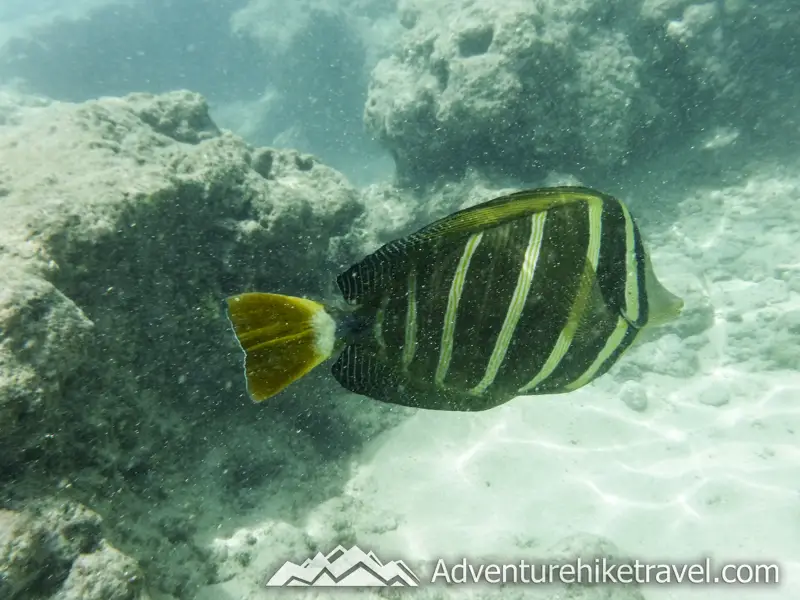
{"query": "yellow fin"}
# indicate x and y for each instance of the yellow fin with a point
(283, 338)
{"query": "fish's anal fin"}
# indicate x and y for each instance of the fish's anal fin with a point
(359, 370)
(283, 338)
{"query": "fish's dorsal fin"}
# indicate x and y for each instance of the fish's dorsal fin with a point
(504, 209)
(394, 260)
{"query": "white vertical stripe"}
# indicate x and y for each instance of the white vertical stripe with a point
(631, 271)
(410, 340)
(456, 287)
(595, 206)
(595, 231)
(517, 303)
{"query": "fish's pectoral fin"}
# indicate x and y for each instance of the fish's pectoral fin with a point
(283, 338)
(664, 305)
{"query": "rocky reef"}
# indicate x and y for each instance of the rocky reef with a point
(56, 550)
(517, 88)
(126, 221)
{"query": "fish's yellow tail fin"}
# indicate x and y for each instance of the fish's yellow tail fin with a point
(283, 338)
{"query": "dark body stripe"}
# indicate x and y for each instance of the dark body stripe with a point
(615, 253)
(568, 329)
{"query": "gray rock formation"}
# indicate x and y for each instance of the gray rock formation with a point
(737, 56)
(506, 86)
(56, 549)
(125, 224)
(105, 574)
(510, 87)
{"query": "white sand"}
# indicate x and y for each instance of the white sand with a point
(680, 482)
(710, 467)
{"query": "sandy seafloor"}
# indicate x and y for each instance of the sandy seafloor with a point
(669, 463)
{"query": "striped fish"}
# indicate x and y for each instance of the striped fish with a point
(537, 292)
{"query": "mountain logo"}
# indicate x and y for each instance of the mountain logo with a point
(344, 568)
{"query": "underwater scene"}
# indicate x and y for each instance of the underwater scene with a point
(375, 299)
